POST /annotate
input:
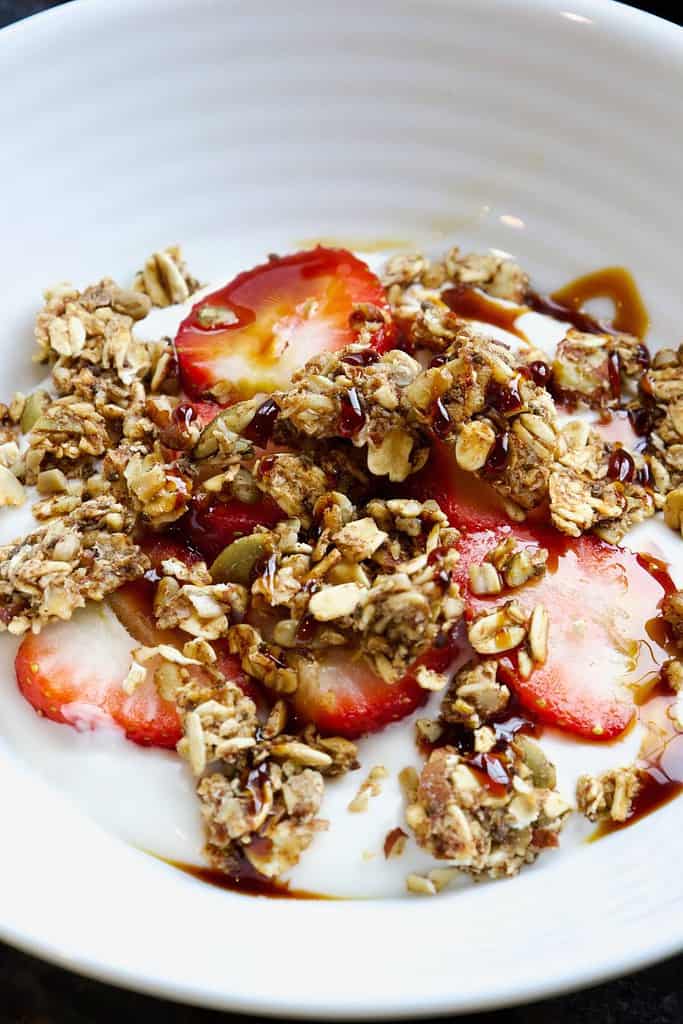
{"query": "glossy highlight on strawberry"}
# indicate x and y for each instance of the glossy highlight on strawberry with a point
(251, 335)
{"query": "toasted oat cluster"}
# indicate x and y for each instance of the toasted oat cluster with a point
(485, 827)
(608, 796)
(353, 567)
(76, 557)
(260, 788)
(373, 581)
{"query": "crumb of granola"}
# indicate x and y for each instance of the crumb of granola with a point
(475, 694)
(608, 796)
(165, 278)
(588, 368)
(495, 274)
(371, 786)
(187, 599)
(158, 491)
(672, 613)
(395, 843)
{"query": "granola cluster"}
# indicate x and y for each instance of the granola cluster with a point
(590, 369)
(350, 394)
(484, 826)
(489, 804)
(377, 580)
(595, 485)
(260, 788)
(80, 556)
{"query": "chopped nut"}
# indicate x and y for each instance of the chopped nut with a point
(484, 579)
(525, 665)
(370, 787)
(11, 491)
(9, 454)
(484, 739)
(409, 778)
(52, 481)
(34, 407)
(539, 625)
(360, 539)
(199, 650)
(420, 886)
(428, 730)
(136, 674)
(428, 679)
(336, 602)
(300, 753)
(395, 843)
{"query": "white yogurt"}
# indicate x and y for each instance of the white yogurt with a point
(146, 796)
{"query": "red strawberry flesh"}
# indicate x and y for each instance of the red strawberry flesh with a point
(349, 699)
(211, 527)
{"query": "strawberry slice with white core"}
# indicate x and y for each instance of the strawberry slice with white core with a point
(252, 335)
(349, 699)
(72, 672)
(600, 600)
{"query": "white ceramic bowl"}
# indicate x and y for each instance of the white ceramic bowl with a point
(549, 129)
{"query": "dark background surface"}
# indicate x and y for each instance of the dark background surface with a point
(32, 992)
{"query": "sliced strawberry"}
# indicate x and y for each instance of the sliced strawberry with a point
(254, 333)
(145, 717)
(469, 503)
(600, 599)
(350, 700)
(210, 528)
(72, 673)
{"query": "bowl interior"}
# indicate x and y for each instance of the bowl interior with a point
(236, 129)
